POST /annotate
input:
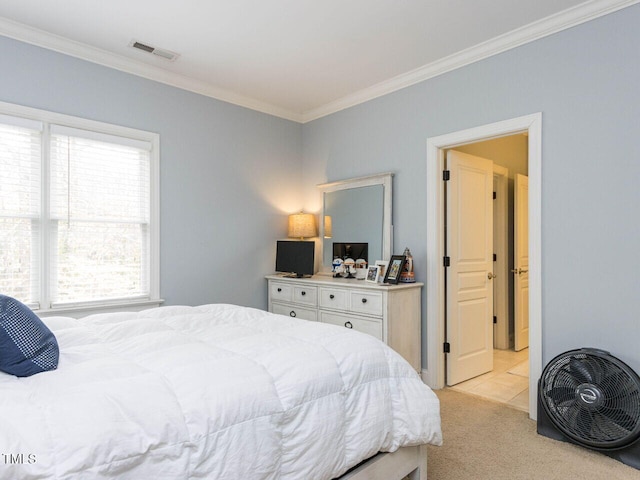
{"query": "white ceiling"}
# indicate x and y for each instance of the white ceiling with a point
(298, 59)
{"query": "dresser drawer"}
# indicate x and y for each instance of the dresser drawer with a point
(366, 302)
(281, 291)
(334, 298)
(294, 311)
(365, 325)
(306, 294)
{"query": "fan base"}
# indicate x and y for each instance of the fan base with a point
(629, 455)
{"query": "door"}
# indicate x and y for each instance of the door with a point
(521, 262)
(469, 286)
(501, 260)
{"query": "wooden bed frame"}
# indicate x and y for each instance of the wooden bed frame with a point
(408, 462)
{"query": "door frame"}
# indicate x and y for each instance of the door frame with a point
(532, 125)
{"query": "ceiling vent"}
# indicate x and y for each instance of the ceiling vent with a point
(166, 54)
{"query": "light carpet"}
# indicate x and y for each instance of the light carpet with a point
(485, 440)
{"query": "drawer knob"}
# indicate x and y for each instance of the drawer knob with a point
(364, 300)
(292, 313)
(348, 324)
(279, 289)
(332, 296)
(304, 293)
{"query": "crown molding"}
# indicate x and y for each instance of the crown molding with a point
(555, 23)
(40, 38)
(542, 28)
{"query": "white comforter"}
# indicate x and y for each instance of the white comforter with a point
(215, 392)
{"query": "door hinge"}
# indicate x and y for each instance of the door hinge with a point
(495, 257)
(446, 261)
(495, 319)
(446, 175)
(494, 195)
(446, 347)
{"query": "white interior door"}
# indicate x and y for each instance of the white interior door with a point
(521, 262)
(469, 286)
(501, 262)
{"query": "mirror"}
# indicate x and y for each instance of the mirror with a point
(357, 211)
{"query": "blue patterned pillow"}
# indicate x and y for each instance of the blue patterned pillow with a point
(27, 346)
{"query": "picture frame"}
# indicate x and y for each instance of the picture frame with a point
(383, 264)
(392, 276)
(373, 274)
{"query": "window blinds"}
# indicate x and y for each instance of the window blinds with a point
(20, 208)
(99, 218)
(75, 215)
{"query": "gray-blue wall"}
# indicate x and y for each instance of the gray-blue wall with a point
(228, 175)
(586, 82)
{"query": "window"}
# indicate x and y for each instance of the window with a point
(78, 211)
(20, 206)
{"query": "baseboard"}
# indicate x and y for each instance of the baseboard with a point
(426, 378)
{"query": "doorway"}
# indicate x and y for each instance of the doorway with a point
(436, 146)
(486, 294)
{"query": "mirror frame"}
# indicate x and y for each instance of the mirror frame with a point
(384, 179)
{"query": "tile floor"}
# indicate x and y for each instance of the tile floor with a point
(508, 382)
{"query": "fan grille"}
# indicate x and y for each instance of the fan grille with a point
(593, 398)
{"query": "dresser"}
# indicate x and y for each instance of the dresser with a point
(390, 313)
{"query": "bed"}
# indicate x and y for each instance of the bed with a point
(216, 392)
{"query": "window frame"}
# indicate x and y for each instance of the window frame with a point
(48, 119)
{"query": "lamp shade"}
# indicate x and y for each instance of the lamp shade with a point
(302, 225)
(328, 228)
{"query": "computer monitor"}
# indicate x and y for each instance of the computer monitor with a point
(351, 250)
(295, 257)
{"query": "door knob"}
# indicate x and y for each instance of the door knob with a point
(491, 275)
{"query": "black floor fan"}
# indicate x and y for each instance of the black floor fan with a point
(591, 398)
